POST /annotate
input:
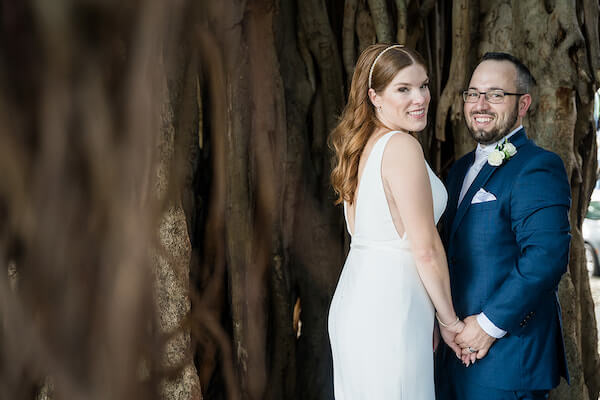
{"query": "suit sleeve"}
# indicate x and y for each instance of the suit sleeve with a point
(539, 217)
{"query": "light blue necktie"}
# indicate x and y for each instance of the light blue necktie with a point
(480, 160)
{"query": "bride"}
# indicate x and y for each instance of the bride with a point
(381, 319)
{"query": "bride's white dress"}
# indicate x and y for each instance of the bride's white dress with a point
(381, 318)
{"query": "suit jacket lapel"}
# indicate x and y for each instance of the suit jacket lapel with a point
(518, 139)
(464, 205)
(455, 188)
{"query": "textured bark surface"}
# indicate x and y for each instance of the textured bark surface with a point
(381, 20)
(450, 101)
(81, 126)
(173, 260)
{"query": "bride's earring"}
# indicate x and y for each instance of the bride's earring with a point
(379, 108)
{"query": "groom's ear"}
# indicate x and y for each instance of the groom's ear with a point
(524, 104)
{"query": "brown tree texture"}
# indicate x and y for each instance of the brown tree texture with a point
(168, 228)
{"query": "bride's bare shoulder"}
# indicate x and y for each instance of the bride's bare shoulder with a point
(403, 148)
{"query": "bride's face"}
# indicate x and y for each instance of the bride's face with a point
(403, 104)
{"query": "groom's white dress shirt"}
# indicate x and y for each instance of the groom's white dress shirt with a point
(481, 155)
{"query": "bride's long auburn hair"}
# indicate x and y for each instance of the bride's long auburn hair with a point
(358, 120)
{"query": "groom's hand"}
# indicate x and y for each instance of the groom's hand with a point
(474, 337)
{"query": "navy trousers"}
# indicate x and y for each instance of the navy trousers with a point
(448, 386)
(458, 391)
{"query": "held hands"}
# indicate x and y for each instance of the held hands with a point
(449, 332)
(468, 341)
(472, 337)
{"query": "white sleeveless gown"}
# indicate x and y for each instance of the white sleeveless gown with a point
(381, 318)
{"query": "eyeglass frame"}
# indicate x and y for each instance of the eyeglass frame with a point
(485, 95)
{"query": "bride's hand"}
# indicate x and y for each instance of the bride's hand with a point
(449, 333)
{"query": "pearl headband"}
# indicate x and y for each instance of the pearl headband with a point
(377, 58)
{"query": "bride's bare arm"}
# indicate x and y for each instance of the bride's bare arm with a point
(406, 179)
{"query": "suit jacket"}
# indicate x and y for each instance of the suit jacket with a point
(506, 258)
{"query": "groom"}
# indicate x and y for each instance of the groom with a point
(507, 237)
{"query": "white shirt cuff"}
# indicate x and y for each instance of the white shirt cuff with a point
(489, 327)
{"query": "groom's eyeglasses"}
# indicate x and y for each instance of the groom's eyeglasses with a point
(495, 96)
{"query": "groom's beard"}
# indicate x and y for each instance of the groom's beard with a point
(496, 133)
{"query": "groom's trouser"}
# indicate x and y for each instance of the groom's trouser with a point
(460, 391)
(449, 386)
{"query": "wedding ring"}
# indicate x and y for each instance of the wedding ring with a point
(471, 350)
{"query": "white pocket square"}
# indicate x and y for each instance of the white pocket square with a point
(483, 196)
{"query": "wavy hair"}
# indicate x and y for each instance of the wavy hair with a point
(358, 120)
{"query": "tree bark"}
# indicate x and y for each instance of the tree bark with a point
(173, 260)
(317, 250)
(348, 47)
(401, 9)
(365, 31)
(381, 20)
(450, 100)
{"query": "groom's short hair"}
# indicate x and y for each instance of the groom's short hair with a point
(525, 79)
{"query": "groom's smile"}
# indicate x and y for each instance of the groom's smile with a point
(482, 119)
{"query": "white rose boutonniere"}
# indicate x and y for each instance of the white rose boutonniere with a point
(510, 149)
(496, 158)
(502, 152)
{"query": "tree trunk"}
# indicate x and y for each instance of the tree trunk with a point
(173, 259)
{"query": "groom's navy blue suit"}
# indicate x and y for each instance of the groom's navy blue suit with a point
(506, 258)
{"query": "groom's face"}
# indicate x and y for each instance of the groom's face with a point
(489, 122)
